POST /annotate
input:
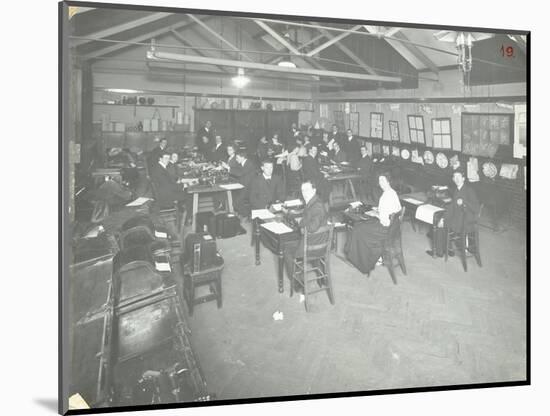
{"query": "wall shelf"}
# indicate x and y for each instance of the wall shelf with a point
(139, 105)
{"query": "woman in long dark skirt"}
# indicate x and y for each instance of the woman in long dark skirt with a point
(364, 247)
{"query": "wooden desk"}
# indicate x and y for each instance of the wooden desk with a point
(347, 179)
(275, 243)
(197, 190)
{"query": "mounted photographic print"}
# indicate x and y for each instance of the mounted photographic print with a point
(227, 240)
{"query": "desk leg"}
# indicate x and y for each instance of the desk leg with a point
(434, 229)
(194, 212)
(280, 276)
(256, 231)
(229, 201)
(352, 189)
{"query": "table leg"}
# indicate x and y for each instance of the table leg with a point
(352, 189)
(229, 201)
(434, 229)
(280, 276)
(194, 212)
(256, 231)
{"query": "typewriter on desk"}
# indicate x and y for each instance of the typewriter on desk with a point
(358, 213)
(439, 195)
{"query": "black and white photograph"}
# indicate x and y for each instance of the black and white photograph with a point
(260, 207)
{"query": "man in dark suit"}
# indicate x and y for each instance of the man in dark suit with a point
(314, 217)
(155, 154)
(338, 155)
(220, 152)
(312, 172)
(366, 170)
(244, 172)
(266, 188)
(262, 149)
(351, 147)
(166, 189)
(334, 135)
(461, 212)
(205, 131)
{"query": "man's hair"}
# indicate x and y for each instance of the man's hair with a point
(241, 152)
(164, 153)
(265, 161)
(461, 171)
(386, 174)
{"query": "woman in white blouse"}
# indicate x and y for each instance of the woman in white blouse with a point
(364, 247)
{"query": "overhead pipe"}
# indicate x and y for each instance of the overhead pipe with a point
(168, 56)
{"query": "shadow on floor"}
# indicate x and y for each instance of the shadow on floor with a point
(47, 403)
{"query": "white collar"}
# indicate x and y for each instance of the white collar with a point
(266, 178)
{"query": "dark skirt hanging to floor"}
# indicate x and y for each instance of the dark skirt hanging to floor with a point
(365, 244)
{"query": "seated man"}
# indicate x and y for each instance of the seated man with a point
(312, 173)
(266, 189)
(351, 147)
(205, 148)
(173, 168)
(314, 217)
(366, 170)
(461, 212)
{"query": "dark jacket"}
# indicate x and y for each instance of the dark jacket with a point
(245, 173)
(166, 189)
(315, 216)
(202, 132)
(220, 153)
(466, 214)
(353, 149)
(232, 162)
(365, 167)
(311, 170)
(264, 193)
(339, 157)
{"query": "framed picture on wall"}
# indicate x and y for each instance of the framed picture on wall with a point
(416, 129)
(442, 136)
(376, 125)
(394, 130)
(354, 123)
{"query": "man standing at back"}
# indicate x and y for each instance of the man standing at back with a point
(352, 147)
(244, 172)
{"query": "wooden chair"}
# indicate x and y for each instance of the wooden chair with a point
(194, 276)
(316, 250)
(465, 241)
(392, 254)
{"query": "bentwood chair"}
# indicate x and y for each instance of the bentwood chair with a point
(392, 254)
(465, 242)
(316, 261)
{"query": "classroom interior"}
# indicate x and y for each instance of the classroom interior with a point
(192, 301)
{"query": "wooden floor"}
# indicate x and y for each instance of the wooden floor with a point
(438, 326)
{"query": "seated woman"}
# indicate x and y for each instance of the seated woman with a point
(364, 247)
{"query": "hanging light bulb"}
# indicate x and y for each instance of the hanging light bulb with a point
(464, 47)
(240, 81)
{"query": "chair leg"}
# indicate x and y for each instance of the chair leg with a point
(401, 260)
(462, 251)
(329, 284)
(191, 300)
(477, 251)
(389, 265)
(293, 274)
(447, 244)
(305, 285)
(219, 292)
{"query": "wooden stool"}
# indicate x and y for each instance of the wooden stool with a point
(211, 276)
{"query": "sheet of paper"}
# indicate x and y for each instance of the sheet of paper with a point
(138, 202)
(355, 204)
(263, 214)
(293, 203)
(277, 227)
(426, 213)
(160, 234)
(372, 213)
(231, 186)
(412, 201)
(163, 267)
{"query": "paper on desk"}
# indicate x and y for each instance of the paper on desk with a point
(293, 203)
(277, 227)
(263, 214)
(231, 186)
(372, 213)
(413, 201)
(277, 207)
(138, 202)
(160, 234)
(163, 267)
(355, 204)
(425, 213)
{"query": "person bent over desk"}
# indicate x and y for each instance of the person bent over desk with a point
(314, 217)
(365, 245)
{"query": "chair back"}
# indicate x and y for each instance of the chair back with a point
(318, 244)
(394, 232)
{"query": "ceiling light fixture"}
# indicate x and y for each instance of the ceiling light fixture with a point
(123, 91)
(287, 63)
(240, 81)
